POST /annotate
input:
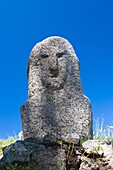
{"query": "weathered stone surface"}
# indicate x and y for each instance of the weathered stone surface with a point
(20, 151)
(23, 154)
(41, 157)
(89, 164)
(99, 147)
(98, 155)
(56, 105)
(71, 138)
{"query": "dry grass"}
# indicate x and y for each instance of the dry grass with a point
(102, 132)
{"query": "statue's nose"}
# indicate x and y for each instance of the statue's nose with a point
(53, 67)
(54, 72)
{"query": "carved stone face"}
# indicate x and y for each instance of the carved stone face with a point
(53, 67)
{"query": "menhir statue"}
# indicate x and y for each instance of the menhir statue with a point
(56, 105)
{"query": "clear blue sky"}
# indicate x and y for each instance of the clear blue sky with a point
(87, 24)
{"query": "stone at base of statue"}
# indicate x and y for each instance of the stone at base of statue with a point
(65, 155)
(24, 154)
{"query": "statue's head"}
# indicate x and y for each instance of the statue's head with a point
(53, 64)
(51, 57)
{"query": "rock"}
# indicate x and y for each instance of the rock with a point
(98, 154)
(88, 164)
(56, 105)
(99, 147)
(16, 152)
(23, 154)
(111, 161)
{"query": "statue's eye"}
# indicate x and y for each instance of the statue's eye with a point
(44, 55)
(59, 55)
